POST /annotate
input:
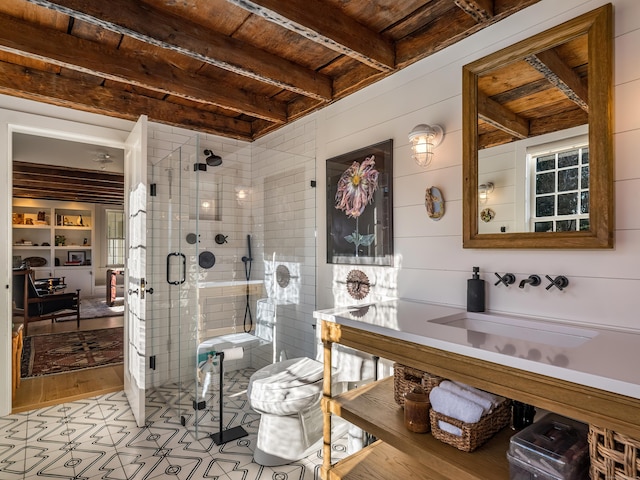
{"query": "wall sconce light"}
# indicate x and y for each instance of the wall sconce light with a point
(484, 189)
(424, 138)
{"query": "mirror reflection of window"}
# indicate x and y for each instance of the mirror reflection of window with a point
(559, 187)
(541, 184)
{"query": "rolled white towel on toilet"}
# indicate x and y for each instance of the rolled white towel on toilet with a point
(486, 404)
(455, 406)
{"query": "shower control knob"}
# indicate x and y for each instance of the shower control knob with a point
(220, 239)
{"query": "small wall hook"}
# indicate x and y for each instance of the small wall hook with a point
(561, 282)
(507, 279)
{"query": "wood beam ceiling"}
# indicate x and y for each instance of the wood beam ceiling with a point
(328, 26)
(272, 63)
(49, 182)
(520, 112)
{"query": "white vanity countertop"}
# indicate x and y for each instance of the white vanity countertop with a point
(604, 359)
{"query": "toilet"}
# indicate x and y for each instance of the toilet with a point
(287, 395)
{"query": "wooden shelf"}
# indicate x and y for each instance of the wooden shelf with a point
(72, 227)
(373, 409)
(380, 461)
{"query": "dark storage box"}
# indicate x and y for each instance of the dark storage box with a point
(553, 448)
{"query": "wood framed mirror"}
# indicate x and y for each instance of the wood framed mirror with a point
(539, 116)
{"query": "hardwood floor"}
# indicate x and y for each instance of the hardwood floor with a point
(49, 390)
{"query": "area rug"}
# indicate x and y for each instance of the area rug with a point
(96, 307)
(69, 351)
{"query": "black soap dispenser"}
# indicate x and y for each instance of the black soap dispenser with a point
(475, 292)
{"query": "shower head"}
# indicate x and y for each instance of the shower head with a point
(212, 159)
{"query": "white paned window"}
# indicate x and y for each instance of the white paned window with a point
(559, 186)
(115, 238)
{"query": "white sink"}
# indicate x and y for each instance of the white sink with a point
(547, 333)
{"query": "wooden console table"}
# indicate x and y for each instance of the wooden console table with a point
(399, 453)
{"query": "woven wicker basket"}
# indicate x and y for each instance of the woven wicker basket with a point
(405, 379)
(614, 456)
(473, 434)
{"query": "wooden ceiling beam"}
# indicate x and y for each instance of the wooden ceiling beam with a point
(502, 118)
(66, 195)
(327, 26)
(451, 27)
(539, 126)
(52, 182)
(51, 173)
(30, 41)
(89, 97)
(559, 121)
(147, 24)
(480, 10)
(561, 76)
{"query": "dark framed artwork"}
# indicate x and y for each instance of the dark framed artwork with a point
(76, 257)
(360, 206)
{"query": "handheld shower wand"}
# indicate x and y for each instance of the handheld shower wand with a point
(247, 260)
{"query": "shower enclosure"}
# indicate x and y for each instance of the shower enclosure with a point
(231, 259)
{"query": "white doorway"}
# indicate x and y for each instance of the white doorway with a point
(11, 122)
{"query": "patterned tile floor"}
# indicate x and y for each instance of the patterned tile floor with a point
(97, 438)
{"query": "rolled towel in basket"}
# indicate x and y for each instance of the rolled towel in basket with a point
(486, 404)
(447, 427)
(494, 399)
(455, 406)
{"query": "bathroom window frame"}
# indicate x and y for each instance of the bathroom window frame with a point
(533, 152)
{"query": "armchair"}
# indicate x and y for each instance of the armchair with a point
(34, 305)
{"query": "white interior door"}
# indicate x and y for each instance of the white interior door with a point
(135, 166)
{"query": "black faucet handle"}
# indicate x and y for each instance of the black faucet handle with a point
(506, 279)
(561, 282)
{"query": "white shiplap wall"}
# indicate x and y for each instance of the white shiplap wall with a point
(431, 263)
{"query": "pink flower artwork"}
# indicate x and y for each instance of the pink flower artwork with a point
(356, 187)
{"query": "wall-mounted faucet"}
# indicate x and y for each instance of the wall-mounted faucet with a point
(506, 279)
(561, 282)
(533, 280)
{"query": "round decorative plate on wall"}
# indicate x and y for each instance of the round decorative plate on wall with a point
(358, 284)
(487, 215)
(283, 276)
(434, 203)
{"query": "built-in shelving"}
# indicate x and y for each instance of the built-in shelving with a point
(57, 239)
(373, 409)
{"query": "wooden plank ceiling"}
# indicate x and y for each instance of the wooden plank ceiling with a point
(542, 93)
(235, 68)
(50, 182)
